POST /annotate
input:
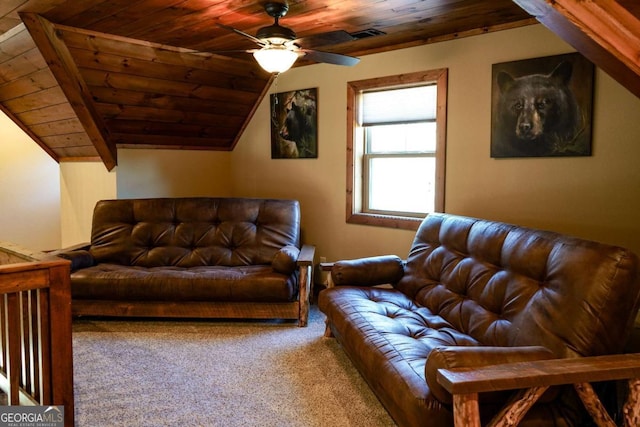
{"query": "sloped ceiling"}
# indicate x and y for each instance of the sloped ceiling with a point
(83, 78)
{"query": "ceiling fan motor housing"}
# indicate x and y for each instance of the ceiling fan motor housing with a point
(276, 33)
(275, 9)
(279, 47)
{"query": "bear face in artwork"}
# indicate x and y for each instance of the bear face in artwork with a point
(297, 124)
(294, 124)
(538, 114)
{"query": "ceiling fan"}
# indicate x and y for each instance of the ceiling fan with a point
(279, 47)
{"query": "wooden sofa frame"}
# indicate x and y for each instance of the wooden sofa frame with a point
(533, 378)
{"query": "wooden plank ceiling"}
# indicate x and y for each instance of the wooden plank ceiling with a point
(84, 77)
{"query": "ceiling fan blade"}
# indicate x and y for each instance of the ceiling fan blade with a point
(232, 52)
(243, 34)
(222, 52)
(329, 58)
(324, 39)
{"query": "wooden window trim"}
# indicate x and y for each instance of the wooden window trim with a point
(354, 178)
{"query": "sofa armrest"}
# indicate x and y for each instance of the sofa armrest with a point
(534, 377)
(284, 261)
(450, 357)
(307, 255)
(371, 271)
(79, 256)
(289, 258)
(80, 246)
(79, 259)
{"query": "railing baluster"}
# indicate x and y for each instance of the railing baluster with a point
(13, 328)
(36, 388)
(36, 360)
(45, 345)
(3, 332)
(25, 328)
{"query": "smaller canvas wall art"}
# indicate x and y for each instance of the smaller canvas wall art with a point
(294, 124)
(542, 107)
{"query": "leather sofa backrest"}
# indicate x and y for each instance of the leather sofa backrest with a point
(191, 232)
(506, 285)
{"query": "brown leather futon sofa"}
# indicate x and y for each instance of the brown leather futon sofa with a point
(475, 293)
(193, 257)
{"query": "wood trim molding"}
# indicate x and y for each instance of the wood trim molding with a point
(602, 30)
(26, 129)
(354, 149)
(66, 73)
(264, 93)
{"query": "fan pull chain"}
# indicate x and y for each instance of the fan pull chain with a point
(275, 96)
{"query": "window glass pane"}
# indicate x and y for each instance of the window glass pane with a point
(399, 105)
(402, 184)
(412, 138)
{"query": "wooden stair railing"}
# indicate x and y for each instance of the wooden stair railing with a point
(36, 360)
(533, 378)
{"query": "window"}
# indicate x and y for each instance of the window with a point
(396, 149)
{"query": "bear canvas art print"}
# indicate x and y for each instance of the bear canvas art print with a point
(294, 124)
(542, 107)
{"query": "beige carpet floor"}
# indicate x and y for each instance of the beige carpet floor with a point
(217, 373)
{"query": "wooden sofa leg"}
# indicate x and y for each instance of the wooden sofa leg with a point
(593, 404)
(305, 289)
(327, 331)
(303, 320)
(631, 408)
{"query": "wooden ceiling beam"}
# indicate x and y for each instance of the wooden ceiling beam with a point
(602, 30)
(25, 73)
(66, 73)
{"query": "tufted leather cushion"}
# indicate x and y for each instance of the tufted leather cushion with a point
(388, 337)
(471, 282)
(192, 232)
(506, 285)
(130, 283)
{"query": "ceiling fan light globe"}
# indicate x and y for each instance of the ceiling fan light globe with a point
(275, 60)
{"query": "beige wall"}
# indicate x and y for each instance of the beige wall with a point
(172, 173)
(81, 186)
(140, 173)
(29, 191)
(594, 197)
